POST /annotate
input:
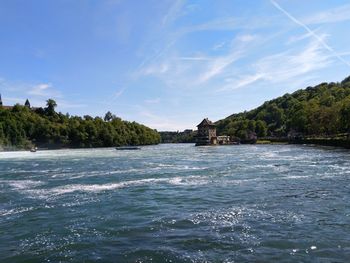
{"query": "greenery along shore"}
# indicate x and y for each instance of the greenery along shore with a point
(23, 127)
(322, 111)
(317, 115)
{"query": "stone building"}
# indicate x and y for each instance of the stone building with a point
(206, 134)
(223, 139)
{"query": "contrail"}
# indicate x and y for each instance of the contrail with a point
(320, 40)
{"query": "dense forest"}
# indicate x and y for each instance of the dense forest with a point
(187, 136)
(24, 127)
(320, 111)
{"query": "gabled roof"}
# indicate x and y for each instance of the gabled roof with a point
(206, 122)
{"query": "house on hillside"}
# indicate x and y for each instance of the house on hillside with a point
(206, 134)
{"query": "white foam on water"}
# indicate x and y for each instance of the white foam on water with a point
(96, 188)
(62, 153)
(22, 184)
(188, 180)
(14, 211)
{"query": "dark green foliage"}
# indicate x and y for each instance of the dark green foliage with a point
(187, 136)
(322, 110)
(22, 127)
(51, 105)
(108, 116)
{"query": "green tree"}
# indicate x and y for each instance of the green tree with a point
(108, 116)
(51, 105)
(260, 128)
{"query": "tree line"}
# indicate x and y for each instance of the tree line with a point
(187, 136)
(323, 110)
(24, 127)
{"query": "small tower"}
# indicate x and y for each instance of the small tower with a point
(206, 133)
(27, 104)
(0, 101)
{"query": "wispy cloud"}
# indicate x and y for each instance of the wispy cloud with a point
(285, 66)
(246, 38)
(333, 15)
(219, 45)
(155, 69)
(294, 39)
(18, 92)
(193, 71)
(198, 58)
(308, 29)
(119, 93)
(219, 64)
(173, 13)
(40, 89)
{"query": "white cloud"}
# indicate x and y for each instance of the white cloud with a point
(219, 45)
(119, 92)
(334, 15)
(286, 66)
(155, 69)
(217, 65)
(44, 90)
(294, 39)
(39, 89)
(246, 38)
(246, 80)
(320, 39)
(173, 13)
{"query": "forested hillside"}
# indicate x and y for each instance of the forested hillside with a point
(23, 127)
(323, 110)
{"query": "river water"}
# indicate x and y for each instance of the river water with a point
(176, 203)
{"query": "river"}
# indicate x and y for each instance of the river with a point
(176, 203)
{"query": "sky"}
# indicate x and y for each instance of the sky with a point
(168, 64)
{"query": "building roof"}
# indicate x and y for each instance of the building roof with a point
(206, 122)
(7, 107)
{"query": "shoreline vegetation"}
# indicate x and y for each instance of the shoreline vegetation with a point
(23, 127)
(317, 115)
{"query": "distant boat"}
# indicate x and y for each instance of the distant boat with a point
(126, 148)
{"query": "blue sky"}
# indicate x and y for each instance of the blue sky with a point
(168, 64)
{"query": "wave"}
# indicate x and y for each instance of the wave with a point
(14, 211)
(191, 180)
(22, 184)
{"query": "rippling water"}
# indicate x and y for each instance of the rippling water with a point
(176, 203)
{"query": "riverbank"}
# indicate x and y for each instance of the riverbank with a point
(342, 141)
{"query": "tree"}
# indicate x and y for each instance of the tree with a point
(345, 115)
(260, 128)
(108, 116)
(22, 127)
(51, 105)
